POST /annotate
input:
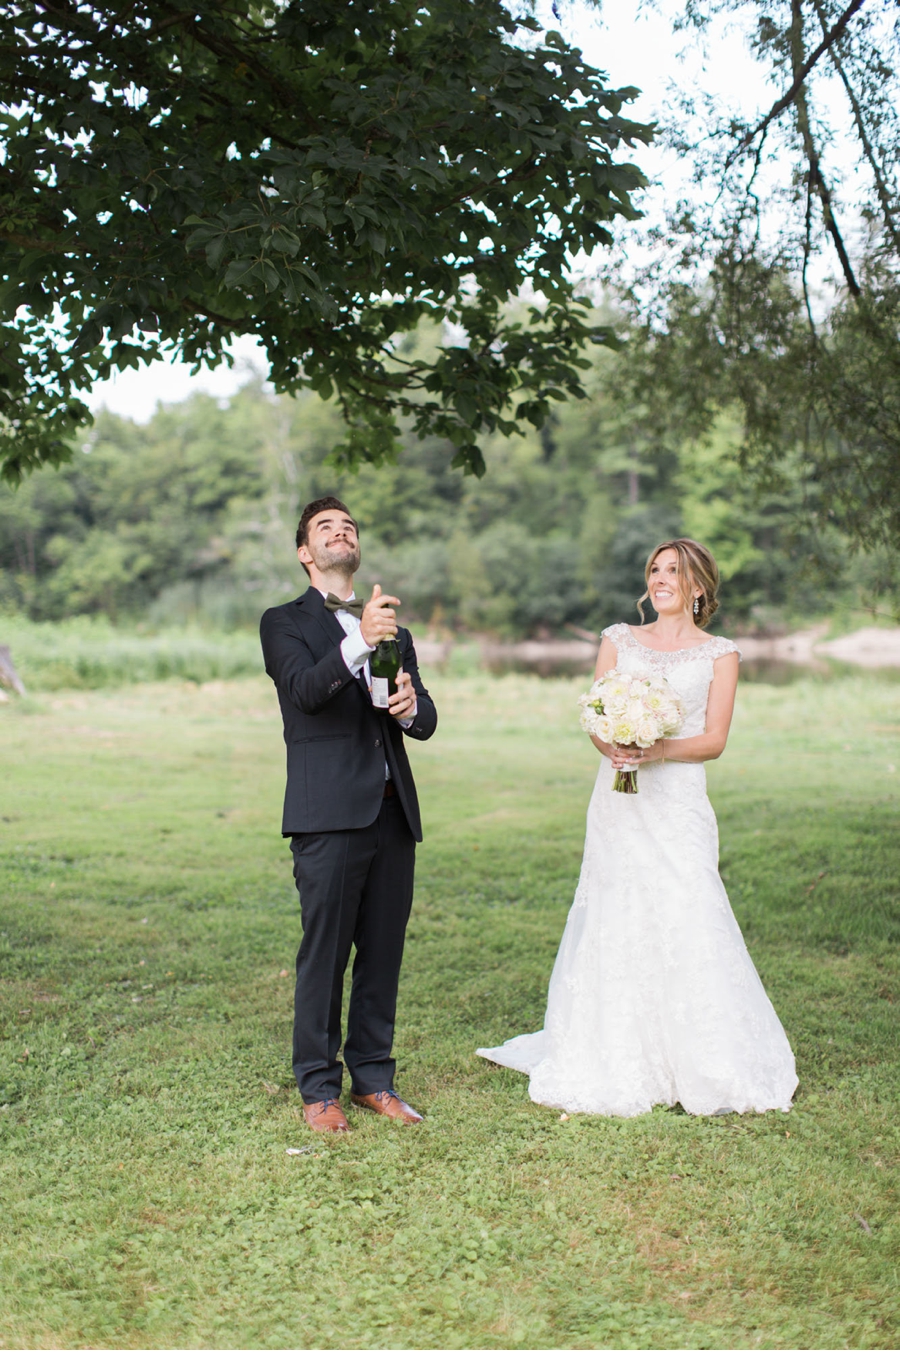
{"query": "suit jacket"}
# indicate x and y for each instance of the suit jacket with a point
(337, 743)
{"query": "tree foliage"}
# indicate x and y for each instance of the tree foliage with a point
(192, 518)
(321, 174)
(775, 284)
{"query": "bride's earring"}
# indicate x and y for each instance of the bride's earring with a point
(696, 605)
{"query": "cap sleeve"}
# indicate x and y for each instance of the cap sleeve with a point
(616, 632)
(725, 646)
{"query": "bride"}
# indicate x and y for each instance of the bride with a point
(654, 997)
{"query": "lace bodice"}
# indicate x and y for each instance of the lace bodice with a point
(688, 670)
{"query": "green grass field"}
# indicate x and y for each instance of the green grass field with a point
(147, 926)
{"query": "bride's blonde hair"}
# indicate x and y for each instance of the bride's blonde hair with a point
(696, 568)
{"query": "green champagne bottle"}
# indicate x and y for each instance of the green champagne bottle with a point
(384, 664)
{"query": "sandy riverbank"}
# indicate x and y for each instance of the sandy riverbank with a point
(868, 647)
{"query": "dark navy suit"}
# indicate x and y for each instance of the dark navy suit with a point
(353, 846)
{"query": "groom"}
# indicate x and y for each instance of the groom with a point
(351, 812)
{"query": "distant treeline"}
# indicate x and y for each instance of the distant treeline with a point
(190, 519)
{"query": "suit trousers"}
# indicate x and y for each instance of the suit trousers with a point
(356, 889)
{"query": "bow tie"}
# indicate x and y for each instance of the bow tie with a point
(355, 606)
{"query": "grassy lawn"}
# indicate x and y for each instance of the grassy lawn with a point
(147, 926)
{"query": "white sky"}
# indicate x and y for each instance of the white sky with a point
(135, 393)
(634, 48)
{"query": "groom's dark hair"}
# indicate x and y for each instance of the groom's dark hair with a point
(312, 509)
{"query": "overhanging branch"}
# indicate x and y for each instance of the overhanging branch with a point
(816, 179)
(832, 36)
(881, 187)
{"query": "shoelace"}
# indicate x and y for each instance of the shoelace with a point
(326, 1104)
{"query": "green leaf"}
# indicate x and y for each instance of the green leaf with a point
(344, 189)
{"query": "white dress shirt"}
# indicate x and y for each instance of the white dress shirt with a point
(354, 649)
(355, 652)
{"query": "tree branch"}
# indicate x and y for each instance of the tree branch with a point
(807, 250)
(204, 312)
(881, 187)
(39, 245)
(816, 177)
(832, 35)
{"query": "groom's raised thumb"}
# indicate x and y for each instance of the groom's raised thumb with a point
(376, 591)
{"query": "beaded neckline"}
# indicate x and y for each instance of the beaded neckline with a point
(712, 648)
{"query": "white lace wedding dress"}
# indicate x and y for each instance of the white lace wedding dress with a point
(654, 997)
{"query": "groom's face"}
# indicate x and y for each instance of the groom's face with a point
(332, 543)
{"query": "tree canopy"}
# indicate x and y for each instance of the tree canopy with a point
(774, 286)
(322, 174)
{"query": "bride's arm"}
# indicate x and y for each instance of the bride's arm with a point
(719, 708)
(606, 660)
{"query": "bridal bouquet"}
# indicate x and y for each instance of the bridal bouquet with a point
(630, 711)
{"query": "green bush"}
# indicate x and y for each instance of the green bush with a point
(88, 654)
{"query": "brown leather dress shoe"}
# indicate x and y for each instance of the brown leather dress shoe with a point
(388, 1104)
(325, 1116)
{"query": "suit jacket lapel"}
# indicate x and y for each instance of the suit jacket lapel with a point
(313, 603)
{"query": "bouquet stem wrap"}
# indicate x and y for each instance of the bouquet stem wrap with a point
(629, 710)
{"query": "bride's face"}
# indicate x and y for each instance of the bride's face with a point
(668, 594)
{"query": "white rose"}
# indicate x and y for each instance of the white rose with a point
(646, 733)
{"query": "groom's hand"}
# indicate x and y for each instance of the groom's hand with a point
(378, 620)
(403, 705)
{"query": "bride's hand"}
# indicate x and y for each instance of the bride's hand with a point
(632, 757)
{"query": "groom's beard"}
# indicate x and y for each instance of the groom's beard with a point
(338, 558)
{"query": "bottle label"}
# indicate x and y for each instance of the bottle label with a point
(380, 692)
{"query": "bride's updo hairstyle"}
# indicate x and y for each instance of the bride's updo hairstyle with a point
(696, 568)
